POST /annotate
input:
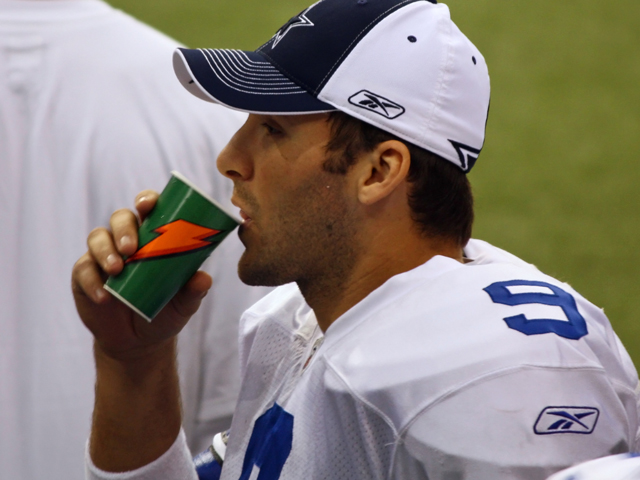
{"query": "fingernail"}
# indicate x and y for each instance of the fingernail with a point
(112, 260)
(140, 200)
(100, 295)
(126, 241)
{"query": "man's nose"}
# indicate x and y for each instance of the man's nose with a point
(234, 161)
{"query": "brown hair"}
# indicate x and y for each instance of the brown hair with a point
(440, 195)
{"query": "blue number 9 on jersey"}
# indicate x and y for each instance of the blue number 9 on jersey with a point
(574, 328)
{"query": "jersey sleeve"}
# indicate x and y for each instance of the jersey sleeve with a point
(174, 464)
(209, 463)
(526, 423)
(623, 466)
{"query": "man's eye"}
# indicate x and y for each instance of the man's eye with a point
(271, 130)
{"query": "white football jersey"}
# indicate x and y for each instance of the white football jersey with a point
(487, 370)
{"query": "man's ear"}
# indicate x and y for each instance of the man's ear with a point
(382, 170)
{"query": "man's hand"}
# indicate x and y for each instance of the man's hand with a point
(137, 409)
(119, 332)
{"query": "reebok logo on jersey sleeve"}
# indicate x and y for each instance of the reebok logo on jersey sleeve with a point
(566, 420)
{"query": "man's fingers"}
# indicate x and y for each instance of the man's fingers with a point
(87, 279)
(103, 250)
(145, 202)
(199, 284)
(187, 300)
(124, 225)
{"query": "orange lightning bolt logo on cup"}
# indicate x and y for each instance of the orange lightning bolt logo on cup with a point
(175, 238)
(173, 241)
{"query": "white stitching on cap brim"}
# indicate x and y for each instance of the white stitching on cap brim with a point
(206, 96)
(231, 74)
(236, 84)
(251, 64)
(229, 65)
(241, 62)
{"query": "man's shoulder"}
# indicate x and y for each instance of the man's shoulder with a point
(275, 319)
(284, 306)
(468, 309)
(445, 297)
(481, 252)
(469, 322)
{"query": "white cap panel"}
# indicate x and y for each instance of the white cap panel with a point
(418, 64)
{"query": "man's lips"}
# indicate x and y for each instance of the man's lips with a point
(243, 214)
(245, 217)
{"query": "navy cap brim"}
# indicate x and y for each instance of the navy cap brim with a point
(244, 81)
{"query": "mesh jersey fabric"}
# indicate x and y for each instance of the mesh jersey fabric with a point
(425, 379)
(90, 114)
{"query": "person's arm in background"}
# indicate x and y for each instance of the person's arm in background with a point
(137, 410)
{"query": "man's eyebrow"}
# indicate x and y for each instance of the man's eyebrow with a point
(277, 120)
(281, 119)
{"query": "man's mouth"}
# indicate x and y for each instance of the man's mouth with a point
(245, 217)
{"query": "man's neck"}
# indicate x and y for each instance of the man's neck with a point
(331, 299)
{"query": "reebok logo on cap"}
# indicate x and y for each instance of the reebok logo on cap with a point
(375, 103)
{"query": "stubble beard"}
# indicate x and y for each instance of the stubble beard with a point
(313, 245)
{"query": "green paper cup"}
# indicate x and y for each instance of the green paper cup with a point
(173, 242)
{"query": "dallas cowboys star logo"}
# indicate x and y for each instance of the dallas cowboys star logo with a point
(297, 21)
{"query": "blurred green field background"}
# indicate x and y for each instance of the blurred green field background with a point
(558, 181)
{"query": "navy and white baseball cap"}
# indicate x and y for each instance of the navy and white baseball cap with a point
(401, 65)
